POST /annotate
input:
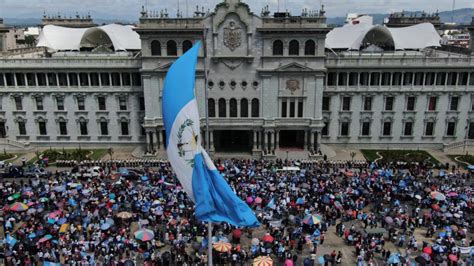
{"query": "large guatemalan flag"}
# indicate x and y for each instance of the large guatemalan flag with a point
(215, 201)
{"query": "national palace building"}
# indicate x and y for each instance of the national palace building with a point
(276, 82)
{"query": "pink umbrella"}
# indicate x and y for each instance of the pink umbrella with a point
(258, 200)
(54, 214)
(452, 194)
(249, 200)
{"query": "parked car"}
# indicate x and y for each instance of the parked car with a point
(12, 172)
(36, 171)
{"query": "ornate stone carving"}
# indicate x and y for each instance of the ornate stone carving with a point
(292, 85)
(232, 36)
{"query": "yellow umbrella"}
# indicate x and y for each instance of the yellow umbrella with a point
(222, 247)
(262, 261)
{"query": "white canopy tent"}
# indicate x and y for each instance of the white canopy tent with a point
(112, 36)
(360, 36)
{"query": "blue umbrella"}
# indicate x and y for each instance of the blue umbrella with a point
(62, 221)
(123, 171)
(72, 202)
(112, 196)
(402, 183)
(105, 226)
(144, 178)
(32, 235)
(470, 167)
(394, 259)
(300, 201)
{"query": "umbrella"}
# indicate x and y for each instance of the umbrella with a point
(394, 259)
(16, 196)
(18, 207)
(62, 221)
(43, 199)
(426, 256)
(144, 234)
(437, 196)
(453, 257)
(312, 219)
(45, 238)
(105, 226)
(267, 238)
(470, 167)
(439, 248)
(32, 235)
(262, 261)
(255, 241)
(258, 200)
(453, 194)
(300, 201)
(435, 207)
(389, 220)
(222, 246)
(249, 200)
(428, 250)
(237, 233)
(418, 197)
(124, 215)
(338, 205)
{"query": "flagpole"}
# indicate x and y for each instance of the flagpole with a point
(208, 139)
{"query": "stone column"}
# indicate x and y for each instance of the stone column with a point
(265, 140)
(318, 140)
(211, 140)
(254, 140)
(277, 140)
(272, 140)
(160, 139)
(150, 141)
(311, 140)
(227, 108)
(155, 141)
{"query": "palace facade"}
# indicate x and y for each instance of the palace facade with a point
(273, 86)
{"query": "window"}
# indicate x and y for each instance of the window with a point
(387, 129)
(367, 103)
(115, 79)
(62, 128)
(141, 103)
(331, 78)
(94, 78)
(292, 108)
(374, 79)
(326, 103)
(211, 105)
(325, 131)
(104, 128)
(453, 106)
(20, 79)
(52, 79)
(364, 79)
(365, 129)
(136, 79)
(386, 78)
(389, 103)
(124, 128)
(463, 78)
(429, 128)
(342, 79)
(171, 49)
(105, 79)
(101, 100)
(284, 107)
(346, 103)
(84, 79)
(277, 47)
(42, 128)
(408, 129)
(2, 81)
(430, 78)
(155, 48)
(18, 103)
(452, 78)
(9, 79)
(187, 45)
(411, 103)
(60, 103)
(73, 79)
(233, 107)
(471, 79)
(81, 104)
(397, 79)
(309, 47)
(244, 108)
(300, 108)
(122, 103)
(441, 79)
(451, 129)
(353, 79)
(432, 103)
(39, 103)
(255, 108)
(294, 48)
(222, 108)
(408, 79)
(83, 128)
(62, 78)
(419, 78)
(22, 127)
(126, 79)
(344, 129)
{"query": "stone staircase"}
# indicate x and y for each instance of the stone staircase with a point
(9, 144)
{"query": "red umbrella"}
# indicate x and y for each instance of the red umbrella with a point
(267, 238)
(428, 250)
(453, 257)
(237, 233)
(435, 207)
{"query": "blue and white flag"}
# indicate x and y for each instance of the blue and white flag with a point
(215, 201)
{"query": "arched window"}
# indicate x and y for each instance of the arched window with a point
(171, 48)
(309, 47)
(255, 108)
(187, 45)
(278, 47)
(222, 108)
(244, 108)
(155, 48)
(294, 48)
(233, 107)
(211, 107)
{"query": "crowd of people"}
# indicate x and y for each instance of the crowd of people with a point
(396, 213)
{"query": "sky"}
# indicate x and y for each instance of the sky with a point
(129, 9)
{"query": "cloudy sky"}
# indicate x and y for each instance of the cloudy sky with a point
(129, 9)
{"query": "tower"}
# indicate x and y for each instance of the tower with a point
(3, 31)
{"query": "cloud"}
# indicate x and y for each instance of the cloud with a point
(129, 9)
